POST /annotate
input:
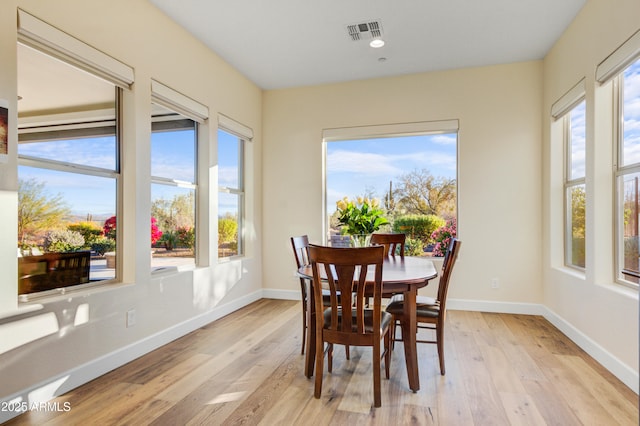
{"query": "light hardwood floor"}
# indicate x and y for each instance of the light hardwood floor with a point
(246, 368)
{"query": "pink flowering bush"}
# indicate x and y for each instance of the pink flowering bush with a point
(109, 229)
(442, 237)
(156, 233)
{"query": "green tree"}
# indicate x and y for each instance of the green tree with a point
(37, 210)
(419, 192)
(578, 204)
(175, 213)
(578, 198)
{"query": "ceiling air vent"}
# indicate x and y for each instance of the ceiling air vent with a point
(365, 30)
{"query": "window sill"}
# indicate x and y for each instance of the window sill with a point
(231, 258)
(55, 296)
(21, 310)
(172, 269)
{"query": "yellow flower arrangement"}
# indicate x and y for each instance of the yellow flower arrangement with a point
(360, 216)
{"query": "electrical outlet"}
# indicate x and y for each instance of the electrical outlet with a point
(495, 283)
(131, 318)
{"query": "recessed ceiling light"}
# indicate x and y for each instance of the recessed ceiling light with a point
(376, 43)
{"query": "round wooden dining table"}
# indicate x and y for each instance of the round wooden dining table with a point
(399, 275)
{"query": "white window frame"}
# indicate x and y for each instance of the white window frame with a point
(611, 70)
(569, 185)
(561, 110)
(45, 38)
(620, 171)
(383, 131)
(244, 135)
(199, 114)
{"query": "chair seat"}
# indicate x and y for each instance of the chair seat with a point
(385, 320)
(420, 300)
(428, 310)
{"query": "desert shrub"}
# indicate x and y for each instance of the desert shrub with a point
(102, 245)
(418, 227)
(89, 231)
(186, 237)
(227, 230)
(59, 241)
(413, 247)
(169, 240)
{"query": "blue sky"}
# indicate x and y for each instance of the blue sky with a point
(632, 114)
(368, 165)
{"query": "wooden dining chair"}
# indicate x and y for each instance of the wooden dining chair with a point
(348, 321)
(430, 312)
(393, 243)
(300, 247)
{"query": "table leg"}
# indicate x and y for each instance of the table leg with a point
(310, 356)
(409, 329)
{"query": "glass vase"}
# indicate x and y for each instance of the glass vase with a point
(360, 240)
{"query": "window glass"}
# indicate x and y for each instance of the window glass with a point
(631, 114)
(575, 148)
(67, 176)
(231, 194)
(88, 151)
(409, 181)
(628, 207)
(576, 214)
(577, 138)
(630, 210)
(173, 189)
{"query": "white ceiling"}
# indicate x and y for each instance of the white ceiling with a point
(288, 43)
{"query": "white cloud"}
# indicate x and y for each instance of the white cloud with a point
(361, 163)
(227, 176)
(447, 139)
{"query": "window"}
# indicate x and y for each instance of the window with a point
(173, 188)
(409, 170)
(575, 194)
(628, 172)
(68, 159)
(230, 194)
(68, 172)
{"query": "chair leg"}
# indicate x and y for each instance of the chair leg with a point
(377, 400)
(319, 366)
(387, 352)
(392, 330)
(304, 325)
(330, 358)
(440, 344)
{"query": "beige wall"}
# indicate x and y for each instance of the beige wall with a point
(499, 113)
(137, 34)
(605, 312)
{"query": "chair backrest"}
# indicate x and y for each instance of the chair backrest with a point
(301, 250)
(390, 242)
(348, 272)
(447, 267)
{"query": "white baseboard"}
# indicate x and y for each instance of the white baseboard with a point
(63, 383)
(269, 293)
(498, 307)
(82, 374)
